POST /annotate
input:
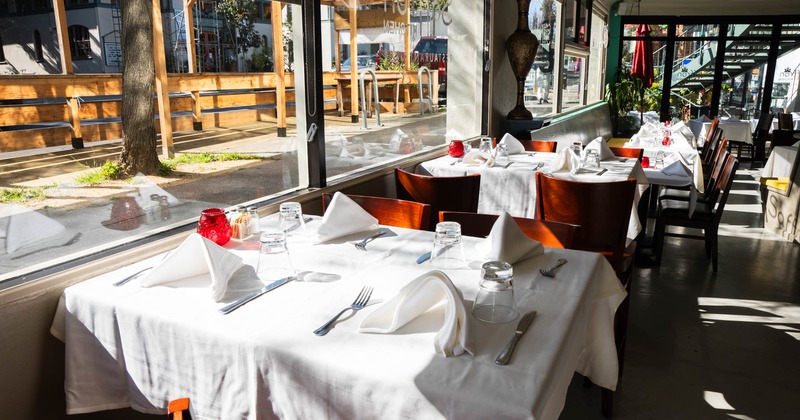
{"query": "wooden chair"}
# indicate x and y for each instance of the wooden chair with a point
(603, 211)
(458, 193)
(390, 211)
(588, 204)
(627, 152)
(761, 134)
(785, 122)
(722, 146)
(539, 145)
(785, 134)
(710, 193)
(709, 135)
(706, 215)
(713, 145)
(550, 234)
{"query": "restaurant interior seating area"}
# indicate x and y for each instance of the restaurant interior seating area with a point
(598, 220)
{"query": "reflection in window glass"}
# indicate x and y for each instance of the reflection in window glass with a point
(543, 18)
(692, 77)
(572, 82)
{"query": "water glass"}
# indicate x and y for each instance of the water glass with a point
(495, 300)
(576, 148)
(448, 251)
(274, 262)
(592, 159)
(660, 156)
(501, 159)
(486, 145)
(291, 220)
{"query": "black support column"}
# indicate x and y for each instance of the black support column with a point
(315, 112)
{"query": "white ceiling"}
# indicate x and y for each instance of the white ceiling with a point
(706, 7)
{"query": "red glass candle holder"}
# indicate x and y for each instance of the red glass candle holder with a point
(645, 162)
(214, 225)
(456, 148)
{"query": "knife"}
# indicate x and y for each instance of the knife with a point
(272, 286)
(425, 257)
(602, 171)
(297, 225)
(524, 323)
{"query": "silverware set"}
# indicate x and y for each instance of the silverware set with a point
(552, 271)
(359, 303)
(538, 166)
(362, 244)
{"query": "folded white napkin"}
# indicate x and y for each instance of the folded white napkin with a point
(194, 257)
(353, 151)
(416, 298)
(506, 242)
(476, 157)
(396, 137)
(602, 148)
(704, 118)
(22, 226)
(513, 145)
(344, 217)
(676, 168)
(565, 160)
(633, 142)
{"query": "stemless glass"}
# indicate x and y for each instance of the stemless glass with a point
(274, 262)
(448, 252)
(214, 225)
(486, 145)
(502, 155)
(291, 220)
(495, 299)
(592, 159)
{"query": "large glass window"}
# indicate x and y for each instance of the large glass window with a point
(544, 21)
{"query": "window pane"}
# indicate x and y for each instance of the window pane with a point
(693, 76)
(543, 18)
(597, 56)
(572, 82)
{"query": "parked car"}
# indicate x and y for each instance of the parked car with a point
(363, 62)
(431, 52)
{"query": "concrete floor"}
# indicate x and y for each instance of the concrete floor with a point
(704, 345)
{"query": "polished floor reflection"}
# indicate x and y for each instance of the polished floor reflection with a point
(704, 345)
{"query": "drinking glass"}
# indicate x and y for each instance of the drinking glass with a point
(502, 155)
(577, 147)
(291, 220)
(660, 156)
(274, 262)
(592, 159)
(495, 300)
(486, 145)
(448, 252)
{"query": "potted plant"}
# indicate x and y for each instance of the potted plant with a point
(623, 95)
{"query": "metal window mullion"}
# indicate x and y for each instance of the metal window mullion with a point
(314, 112)
(719, 65)
(669, 62)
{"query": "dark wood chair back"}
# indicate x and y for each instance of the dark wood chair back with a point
(549, 233)
(601, 209)
(711, 193)
(713, 145)
(627, 152)
(390, 211)
(785, 122)
(539, 145)
(709, 137)
(458, 193)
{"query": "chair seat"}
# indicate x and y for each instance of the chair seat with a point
(679, 209)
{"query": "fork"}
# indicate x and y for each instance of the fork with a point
(538, 166)
(362, 245)
(359, 303)
(457, 161)
(552, 272)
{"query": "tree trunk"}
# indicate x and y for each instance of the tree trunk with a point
(138, 86)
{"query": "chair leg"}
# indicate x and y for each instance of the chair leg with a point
(607, 403)
(708, 242)
(658, 240)
(714, 246)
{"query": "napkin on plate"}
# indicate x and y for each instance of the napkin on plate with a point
(565, 160)
(506, 242)
(417, 297)
(602, 148)
(194, 257)
(513, 145)
(344, 217)
(676, 168)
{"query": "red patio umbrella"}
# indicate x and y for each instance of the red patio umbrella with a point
(642, 67)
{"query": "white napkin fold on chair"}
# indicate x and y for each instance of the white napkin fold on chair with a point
(602, 148)
(676, 168)
(416, 298)
(344, 217)
(194, 257)
(22, 226)
(565, 160)
(506, 242)
(513, 145)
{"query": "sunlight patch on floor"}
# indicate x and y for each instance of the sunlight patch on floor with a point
(776, 314)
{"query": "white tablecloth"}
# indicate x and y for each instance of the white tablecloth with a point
(740, 131)
(513, 189)
(141, 347)
(780, 162)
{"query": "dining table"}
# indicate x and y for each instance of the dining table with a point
(733, 128)
(512, 188)
(780, 161)
(140, 347)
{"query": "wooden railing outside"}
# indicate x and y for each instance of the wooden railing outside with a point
(41, 111)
